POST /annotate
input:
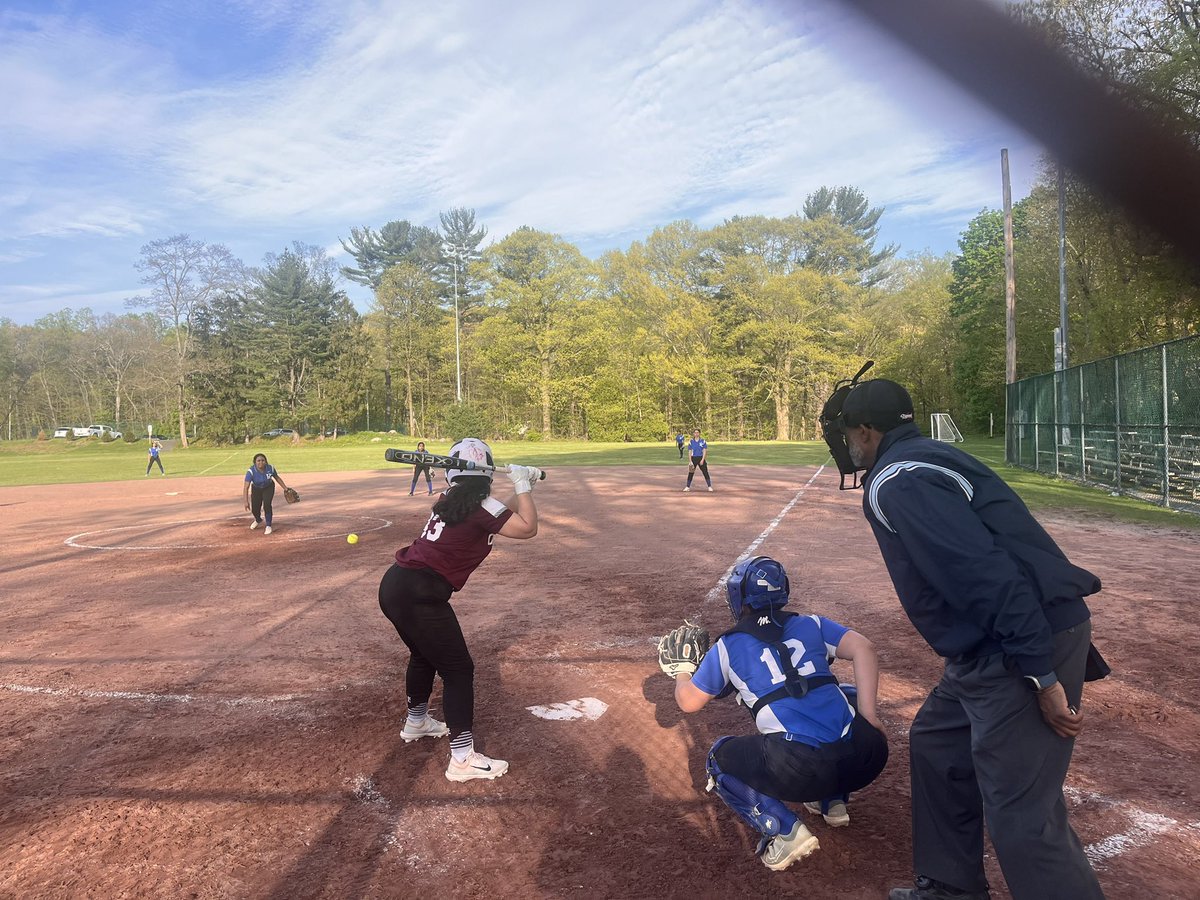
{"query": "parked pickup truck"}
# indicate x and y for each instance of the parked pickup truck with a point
(100, 431)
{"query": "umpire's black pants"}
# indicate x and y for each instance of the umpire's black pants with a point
(980, 750)
(417, 603)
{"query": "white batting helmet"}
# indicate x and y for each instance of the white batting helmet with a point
(474, 451)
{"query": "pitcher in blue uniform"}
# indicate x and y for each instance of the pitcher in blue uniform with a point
(817, 740)
(258, 490)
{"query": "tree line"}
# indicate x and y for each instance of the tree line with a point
(739, 329)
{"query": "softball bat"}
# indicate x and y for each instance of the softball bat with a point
(437, 461)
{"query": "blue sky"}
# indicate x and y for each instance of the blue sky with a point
(256, 123)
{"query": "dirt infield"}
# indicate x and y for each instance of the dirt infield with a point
(192, 709)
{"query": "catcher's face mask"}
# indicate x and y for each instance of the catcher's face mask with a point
(833, 428)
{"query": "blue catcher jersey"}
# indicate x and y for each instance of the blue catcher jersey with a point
(752, 667)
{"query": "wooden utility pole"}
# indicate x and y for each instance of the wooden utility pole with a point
(1062, 266)
(1010, 281)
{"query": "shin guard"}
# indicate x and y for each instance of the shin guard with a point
(764, 814)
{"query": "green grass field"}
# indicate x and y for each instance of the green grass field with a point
(81, 461)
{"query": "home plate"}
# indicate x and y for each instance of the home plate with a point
(584, 708)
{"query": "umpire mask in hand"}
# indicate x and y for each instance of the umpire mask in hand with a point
(832, 428)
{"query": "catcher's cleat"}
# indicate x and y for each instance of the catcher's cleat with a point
(254, 524)
(929, 889)
(476, 766)
(429, 727)
(835, 814)
(785, 849)
(267, 530)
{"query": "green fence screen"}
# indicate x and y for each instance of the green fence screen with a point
(1130, 423)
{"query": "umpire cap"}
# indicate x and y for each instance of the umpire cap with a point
(880, 403)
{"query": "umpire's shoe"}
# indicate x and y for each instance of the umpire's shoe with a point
(928, 889)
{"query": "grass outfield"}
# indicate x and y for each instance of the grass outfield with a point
(87, 460)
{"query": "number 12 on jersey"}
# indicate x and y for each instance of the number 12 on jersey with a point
(797, 648)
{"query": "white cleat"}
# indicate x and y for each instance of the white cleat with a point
(267, 530)
(686, 489)
(429, 727)
(476, 766)
(785, 849)
(254, 525)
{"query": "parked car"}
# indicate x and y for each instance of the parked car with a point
(65, 431)
(279, 432)
(102, 431)
(81, 431)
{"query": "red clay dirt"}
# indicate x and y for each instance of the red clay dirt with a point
(192, 709)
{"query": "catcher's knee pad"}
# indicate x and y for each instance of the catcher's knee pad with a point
(762, 813)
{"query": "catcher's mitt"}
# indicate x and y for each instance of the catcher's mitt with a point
(680, 650)
(291, 495)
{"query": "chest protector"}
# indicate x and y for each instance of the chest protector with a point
(768, 628)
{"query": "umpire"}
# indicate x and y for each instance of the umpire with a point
(991, 592)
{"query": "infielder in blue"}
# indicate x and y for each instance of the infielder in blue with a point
(817, 740)
(698, 448)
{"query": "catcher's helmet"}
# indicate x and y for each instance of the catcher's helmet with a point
(759, 583)
(474, 452)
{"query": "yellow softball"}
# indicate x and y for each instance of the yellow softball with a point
(352, 539)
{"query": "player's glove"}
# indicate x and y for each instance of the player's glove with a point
(521, 478)
(680, 650)
(291, 495)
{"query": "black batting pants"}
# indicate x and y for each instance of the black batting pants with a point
(417, 603)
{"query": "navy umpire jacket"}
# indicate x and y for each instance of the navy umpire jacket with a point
(974, 570)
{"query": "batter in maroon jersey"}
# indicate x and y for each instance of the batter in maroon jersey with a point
(415, 596)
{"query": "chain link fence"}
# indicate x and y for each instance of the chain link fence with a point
(1130, 423)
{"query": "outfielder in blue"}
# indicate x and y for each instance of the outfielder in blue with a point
(698, 448)
(817, 740)
(990, 592)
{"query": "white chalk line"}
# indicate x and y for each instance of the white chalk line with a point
(214, 465)
(1144, 827)
(144, 697)
(715, 593)
(75, 540)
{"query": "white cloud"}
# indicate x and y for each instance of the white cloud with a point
(592, 122)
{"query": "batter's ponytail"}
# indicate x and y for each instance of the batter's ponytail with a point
(462, 498)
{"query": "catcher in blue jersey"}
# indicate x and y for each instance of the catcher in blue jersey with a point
(818, 740)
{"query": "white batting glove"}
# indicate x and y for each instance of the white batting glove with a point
(519, 476)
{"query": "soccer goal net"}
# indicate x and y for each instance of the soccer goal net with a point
(942, 428)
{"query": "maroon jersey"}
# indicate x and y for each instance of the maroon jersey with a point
(455, 551)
